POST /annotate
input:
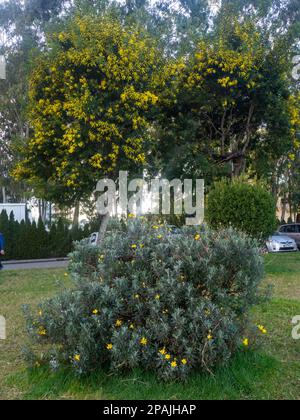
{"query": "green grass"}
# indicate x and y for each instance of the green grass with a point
(273, 372)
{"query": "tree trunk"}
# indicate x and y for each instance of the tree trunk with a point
(284, 204)
(103, 228)
(238, 166)
(3, 195)
(76, 215)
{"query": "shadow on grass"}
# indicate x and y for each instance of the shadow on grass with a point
(250, 375)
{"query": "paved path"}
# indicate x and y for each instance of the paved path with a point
(33, 264)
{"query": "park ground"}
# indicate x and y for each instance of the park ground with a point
(271, 372)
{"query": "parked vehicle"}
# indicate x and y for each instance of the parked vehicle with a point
(281, 243)
(291, 230)
(93, 240)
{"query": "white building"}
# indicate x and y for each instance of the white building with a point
(19, 210)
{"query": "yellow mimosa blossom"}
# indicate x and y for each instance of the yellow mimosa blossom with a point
(133, 246)
(174, 364)
(184, 361)
(210, 337)
(197, 237)
(95, 312)
(163, 351)
(77, 358)
(109, 346)
(119, 323)
(167, 356)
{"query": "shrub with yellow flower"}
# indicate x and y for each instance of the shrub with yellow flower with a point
(143, 341)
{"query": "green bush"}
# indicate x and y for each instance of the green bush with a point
(31, 240)
(154, 300)
(245, 207)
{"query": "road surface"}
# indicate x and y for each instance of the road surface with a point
(29, 265)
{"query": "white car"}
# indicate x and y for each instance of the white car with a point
(93, 239)
(281, 243)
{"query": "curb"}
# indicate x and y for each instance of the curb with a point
(34, 261)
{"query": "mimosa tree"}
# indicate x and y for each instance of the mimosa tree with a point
(91, 97)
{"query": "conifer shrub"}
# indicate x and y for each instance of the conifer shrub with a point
(150, 299)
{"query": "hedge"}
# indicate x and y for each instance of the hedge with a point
(31, 240)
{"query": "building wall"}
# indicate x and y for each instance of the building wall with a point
(19, 210)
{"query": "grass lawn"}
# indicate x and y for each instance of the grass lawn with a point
(270, 373)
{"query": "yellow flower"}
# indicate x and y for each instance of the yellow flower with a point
(162, 351)
(157, 297)
(209, 337)
(184, 361)
(136, 296)
(131, 216)
(133, 246)
(95, 312)
(77, 357)
(197, 237)
(142, 246)
(109, 346)
(40, 313)
(143, 341)
(155, 227)
(174, 364)
(42, 331)
(159, 236)
(66, 274)
(262, 329)
(165, 311)
(246, 342)
(119, 323)
(167, 356)
(131, 326)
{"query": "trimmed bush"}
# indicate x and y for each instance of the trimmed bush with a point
(245, 207)
(154, 300)
(28, 240)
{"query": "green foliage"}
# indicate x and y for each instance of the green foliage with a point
(246, 207)
(28, 240)
(92, 95)
(153, 300)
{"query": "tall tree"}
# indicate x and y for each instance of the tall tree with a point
(91, 97)
(230, 95)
